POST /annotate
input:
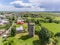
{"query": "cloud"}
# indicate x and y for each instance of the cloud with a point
(32, 5)
(12, 8)
(21, 4)
(27, 5)
(51, 5)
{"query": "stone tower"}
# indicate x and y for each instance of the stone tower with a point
(31, 29)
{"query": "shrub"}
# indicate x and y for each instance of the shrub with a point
(37, 29)
(56, 21)
(44, 36)
(13, 31)
(37, 21)
(57, 34)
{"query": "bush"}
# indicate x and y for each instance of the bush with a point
(7, 26)
(13, 31)
(57, 34)
(49, 19)
(9, 41)
(56, 21)
(37, 29)
(36, 22)
(44, 36)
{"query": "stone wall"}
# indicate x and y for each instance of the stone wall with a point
(31, 29)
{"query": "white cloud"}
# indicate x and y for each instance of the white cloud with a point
(32, 5)
(34, 1)
(12, 8)
(21, 4)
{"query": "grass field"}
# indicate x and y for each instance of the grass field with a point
(52, 27)
(57, 18)
(24, 39)
(1, 43)
(2, 26)
(59, 41)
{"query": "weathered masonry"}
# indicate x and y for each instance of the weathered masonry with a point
(31, 29)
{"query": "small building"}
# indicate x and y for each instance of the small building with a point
(4, 36)
(2, 21)
(2, 16)
(20, 21)
(19, 29)
(1, 31)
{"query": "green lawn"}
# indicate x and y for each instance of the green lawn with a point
(1, 43)
(57, 18)
(24, 39)
(59, 41)
(2, 26)
(52, 27)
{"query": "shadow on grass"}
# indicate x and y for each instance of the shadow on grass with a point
(36, 32)
(36, 42)
(25, 37)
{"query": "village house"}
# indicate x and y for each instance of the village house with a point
(19, 29)
(3, 20)
(20, 21)
(2, 16)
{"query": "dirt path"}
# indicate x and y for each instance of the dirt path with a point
(11, 26)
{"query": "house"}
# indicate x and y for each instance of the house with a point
(1, 32)
(4, 36)
(19, 29)
(5, 33)
(20, 21)
(2, 16)
(3, 21)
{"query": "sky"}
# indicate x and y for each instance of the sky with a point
(29, 5)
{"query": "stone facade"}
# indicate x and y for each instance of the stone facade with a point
(31, 29)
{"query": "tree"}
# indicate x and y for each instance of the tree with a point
(44, 36)
(7, 26)
(2, 13)
(13, 31)
(37, 22)
(57, 34)
(13, 18)
(50, 19)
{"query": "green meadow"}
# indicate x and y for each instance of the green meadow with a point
(52, 27)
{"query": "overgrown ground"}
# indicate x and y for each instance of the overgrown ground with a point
(23, 39)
